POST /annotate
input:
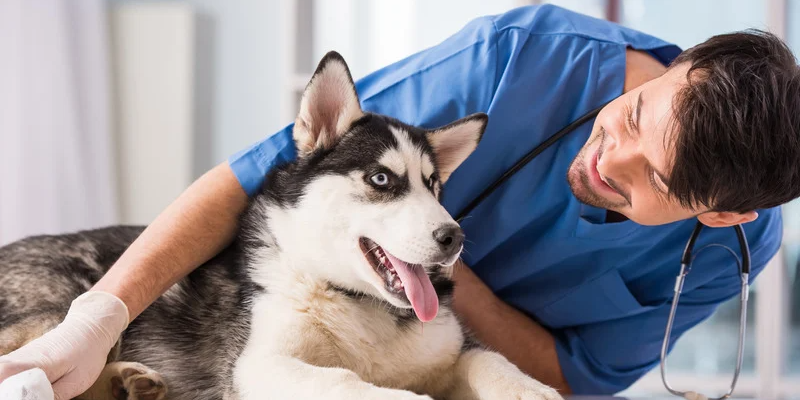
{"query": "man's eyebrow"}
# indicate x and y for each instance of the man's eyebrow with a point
(637, 117)
(638, 111)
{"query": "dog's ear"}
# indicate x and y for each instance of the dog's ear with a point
(454, 142)
(329, 106)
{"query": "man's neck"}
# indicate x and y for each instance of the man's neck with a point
(640, 67)
(613, 216)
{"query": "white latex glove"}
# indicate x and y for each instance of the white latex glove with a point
(73, 354)
(28, 385)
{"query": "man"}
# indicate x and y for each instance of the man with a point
(570, 264)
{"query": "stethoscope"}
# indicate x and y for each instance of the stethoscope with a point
(686, 259)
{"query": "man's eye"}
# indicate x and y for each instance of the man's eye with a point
(657, 183)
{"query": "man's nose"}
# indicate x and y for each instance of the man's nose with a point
(619, 160)
(621, 155)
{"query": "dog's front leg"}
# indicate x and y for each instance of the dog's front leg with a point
(486, 375)
(287, 378)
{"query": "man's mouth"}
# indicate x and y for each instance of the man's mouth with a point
(597, 180)
(405, 281)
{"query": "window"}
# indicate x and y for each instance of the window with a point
(791, 244)
(687, 22)
(373, 34)
(594, 8)
(792, 224)
(793, 25)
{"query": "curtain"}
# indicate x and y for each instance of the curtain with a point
(57, 169)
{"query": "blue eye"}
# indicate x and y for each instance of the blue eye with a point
(380, 179)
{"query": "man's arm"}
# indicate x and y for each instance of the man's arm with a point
(506, 330)
(194, 228)
(604, 357)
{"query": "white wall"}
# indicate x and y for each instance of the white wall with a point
(689, 22)
(373, 34)
(237, 87)
(244, 42)
(153, 58)
(199, 90)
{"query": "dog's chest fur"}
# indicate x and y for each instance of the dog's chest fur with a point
(308, 319)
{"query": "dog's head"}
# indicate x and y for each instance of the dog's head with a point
(360, 206)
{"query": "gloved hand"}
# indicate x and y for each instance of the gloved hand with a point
(27, 385)
(73, 354)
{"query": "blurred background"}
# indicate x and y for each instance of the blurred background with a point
(110, 108)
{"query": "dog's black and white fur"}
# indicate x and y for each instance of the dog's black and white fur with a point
(310, 301)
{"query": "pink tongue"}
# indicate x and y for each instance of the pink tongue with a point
(419, 288)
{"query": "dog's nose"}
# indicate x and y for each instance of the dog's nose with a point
(449, 237)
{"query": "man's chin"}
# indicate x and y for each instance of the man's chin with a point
(578, 181)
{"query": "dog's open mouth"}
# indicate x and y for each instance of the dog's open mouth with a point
(404, 280)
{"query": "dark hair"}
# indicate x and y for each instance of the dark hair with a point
(738, 124)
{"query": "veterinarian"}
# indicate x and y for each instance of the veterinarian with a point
(571, 263)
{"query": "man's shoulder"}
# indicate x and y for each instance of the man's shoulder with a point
(764, 236)
(549, 22)
(548, 19)
(766, 232)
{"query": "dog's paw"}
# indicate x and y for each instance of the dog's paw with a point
(522, 389)
(134, 381)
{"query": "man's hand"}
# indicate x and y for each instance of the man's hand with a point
(73, 354)
(506, 330)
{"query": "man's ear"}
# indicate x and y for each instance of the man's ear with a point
(715, 219)
(454, 142)
(328, 107)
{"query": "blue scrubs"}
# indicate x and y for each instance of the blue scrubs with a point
(602, 289)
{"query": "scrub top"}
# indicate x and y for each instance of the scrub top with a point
(602, 289)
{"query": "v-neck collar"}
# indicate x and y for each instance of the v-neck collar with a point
(592, 224)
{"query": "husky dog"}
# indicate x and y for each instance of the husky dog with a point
(340, 259)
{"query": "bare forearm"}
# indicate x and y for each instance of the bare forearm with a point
(506, 330)
(194, 228)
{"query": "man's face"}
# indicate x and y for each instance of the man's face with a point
(626, 163)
